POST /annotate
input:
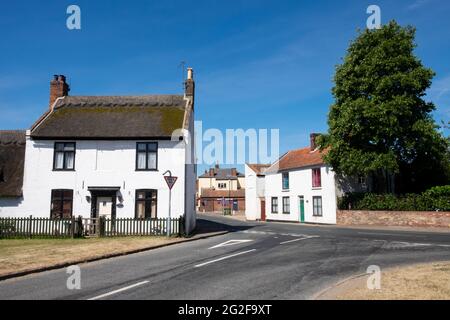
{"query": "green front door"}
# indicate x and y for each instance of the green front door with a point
(302, 208)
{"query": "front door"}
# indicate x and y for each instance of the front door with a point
(104, 207)
(301, 203)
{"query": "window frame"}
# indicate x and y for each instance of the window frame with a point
(61, 199)
(274, 207)
(315, 213)
(313, 178)
(288, 205)
(146, 155)
(283, 179)
(145, 200)
(64, 143)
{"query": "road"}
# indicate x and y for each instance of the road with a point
(253, 261)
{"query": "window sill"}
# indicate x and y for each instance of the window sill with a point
(145, 170)
(317, 188)
(63, 170)
(285, 190)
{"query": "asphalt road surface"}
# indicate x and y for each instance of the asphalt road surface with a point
(253, 261)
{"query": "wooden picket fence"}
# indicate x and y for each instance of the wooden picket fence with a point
(80, 227)
(139, 227)
(39, 228)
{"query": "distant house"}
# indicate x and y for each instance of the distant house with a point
(299, 187)
(102, 156)
(220, 188)
(255, 201)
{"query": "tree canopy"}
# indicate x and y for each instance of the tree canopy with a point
(380, 121)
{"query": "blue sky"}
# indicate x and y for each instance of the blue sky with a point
(258, 64)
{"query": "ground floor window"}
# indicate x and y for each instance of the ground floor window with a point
(317, 206)
(61, 204)
(146, 201)
(286, 205)
(274, 205)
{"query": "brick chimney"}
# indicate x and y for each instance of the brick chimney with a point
(58, 88)
(189, 85)
(313, 137)
(234, 172)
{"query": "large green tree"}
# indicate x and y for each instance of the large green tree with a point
(380, 122)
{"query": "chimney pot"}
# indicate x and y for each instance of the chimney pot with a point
(190, 74)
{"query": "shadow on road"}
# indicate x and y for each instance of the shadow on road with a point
(208, 226)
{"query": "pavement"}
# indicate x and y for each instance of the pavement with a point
(252, 261)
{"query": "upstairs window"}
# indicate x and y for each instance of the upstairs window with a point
(316, 178)
(146, 156)
(61, 205)
(64, 156)
(222, 185)
(285, 181)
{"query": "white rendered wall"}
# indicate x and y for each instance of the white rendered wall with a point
(300, 183)
(97, 164)
(251, 199)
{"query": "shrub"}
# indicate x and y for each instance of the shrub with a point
(434, 199)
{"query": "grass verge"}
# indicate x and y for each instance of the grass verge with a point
(23, 255)
(417, 282)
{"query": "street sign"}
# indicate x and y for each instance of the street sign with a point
(170, 181)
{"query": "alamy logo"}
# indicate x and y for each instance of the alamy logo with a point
(231, 146)
(374, 280)
(74, 20)
(74, 280)
(374, 20)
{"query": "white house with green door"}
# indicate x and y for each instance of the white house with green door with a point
(300, 187)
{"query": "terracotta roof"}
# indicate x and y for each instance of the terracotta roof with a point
(93, 117)
(12, 159)
(211, 193)
(259, 169)
(297, 159)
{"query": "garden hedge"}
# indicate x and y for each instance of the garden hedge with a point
(434, 199)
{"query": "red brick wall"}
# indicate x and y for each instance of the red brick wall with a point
(394, 218)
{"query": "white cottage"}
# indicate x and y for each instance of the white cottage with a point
(299, 187)
(102, 156)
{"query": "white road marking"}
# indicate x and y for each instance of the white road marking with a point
(296, 235)
(223, 258)
(118, 291)
(290, 241)
(230, 243)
